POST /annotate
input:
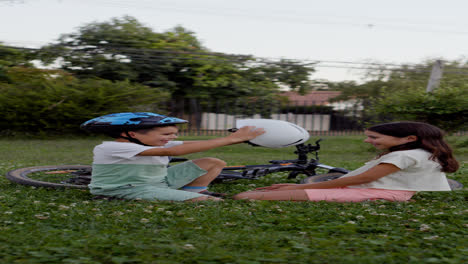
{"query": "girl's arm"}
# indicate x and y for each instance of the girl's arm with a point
(241, 135)
(374, 173)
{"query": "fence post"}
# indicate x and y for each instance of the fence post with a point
(436, 75)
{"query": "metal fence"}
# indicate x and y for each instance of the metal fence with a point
(215, 118)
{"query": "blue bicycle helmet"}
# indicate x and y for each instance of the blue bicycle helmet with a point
(114, 124)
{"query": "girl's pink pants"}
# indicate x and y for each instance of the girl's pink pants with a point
(357, 195)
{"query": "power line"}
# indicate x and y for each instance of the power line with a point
(307, 19)
(137, 52)
(153, 54)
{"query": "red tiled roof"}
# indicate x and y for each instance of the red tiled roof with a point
(313, 97)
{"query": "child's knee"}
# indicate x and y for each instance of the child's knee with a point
(210, 162)
(218, 162)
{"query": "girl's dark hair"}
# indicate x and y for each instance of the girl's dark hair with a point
(429, 138)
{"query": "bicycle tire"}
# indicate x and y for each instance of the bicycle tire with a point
(322, 177)
(22, 176)
(455, 185)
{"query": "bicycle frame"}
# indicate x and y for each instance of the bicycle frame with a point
(300, 165)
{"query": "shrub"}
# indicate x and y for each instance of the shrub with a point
(446, 107)
(52, 101)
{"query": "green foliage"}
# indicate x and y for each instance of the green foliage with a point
(10, 57)
(173, 60)
(446, 107)
(13, 57)
(404, 78)
(400, 94)
(217, 77)
(293, 74)
(53, 101)
(114, 50)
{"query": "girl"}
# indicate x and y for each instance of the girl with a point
(415, 158)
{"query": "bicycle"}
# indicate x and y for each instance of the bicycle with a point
(79, 176)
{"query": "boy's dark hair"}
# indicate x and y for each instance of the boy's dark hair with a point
(118, 134)
(429, 138)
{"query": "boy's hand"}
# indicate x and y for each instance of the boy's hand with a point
(246, 133)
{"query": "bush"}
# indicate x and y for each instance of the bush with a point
(52, 101)
(446, 107)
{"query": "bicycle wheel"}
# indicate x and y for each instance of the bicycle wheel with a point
(322, 177)
(455, 185)
(64, 176)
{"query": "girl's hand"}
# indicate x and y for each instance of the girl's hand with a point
(280, 187)
(246, 133)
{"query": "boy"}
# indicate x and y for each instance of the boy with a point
(135, 164)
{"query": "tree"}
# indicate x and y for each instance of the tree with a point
(118, 50)
(10, 57)
(174, 61)
(446, 107)
(38, 100)
(380, 79)
(290, 73)
(401, 95)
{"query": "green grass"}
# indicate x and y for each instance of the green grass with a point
(40, 225)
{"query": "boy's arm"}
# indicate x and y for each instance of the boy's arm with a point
(241, 135)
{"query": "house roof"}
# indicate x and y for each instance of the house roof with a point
(313, 97)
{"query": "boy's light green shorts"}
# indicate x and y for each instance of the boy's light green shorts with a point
(177, 176)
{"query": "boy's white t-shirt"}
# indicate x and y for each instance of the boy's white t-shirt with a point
(114, 152)
(117, 164)
(417, 172)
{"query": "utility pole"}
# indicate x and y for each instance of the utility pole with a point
(436, 75)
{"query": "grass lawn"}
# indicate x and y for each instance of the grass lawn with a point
(39, 225)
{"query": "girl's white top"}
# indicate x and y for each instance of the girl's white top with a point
(418, 172)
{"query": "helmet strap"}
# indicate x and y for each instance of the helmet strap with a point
(133, 140)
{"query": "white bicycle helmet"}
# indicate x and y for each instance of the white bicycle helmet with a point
(279, 134)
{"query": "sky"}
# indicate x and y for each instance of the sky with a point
(341, 34)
